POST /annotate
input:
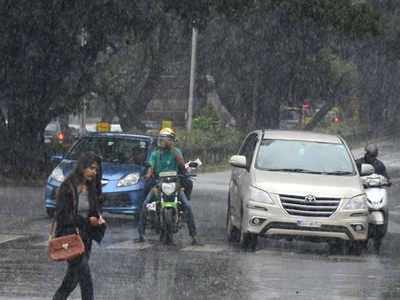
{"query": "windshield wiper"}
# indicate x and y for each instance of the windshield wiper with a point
(295, 170)
(339, 173)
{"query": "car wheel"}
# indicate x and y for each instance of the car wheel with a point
(248, 241)
(233, 233)
(357, 247)
(50, 212)
(336, 246)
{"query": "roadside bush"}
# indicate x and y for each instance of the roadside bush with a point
(209, 139)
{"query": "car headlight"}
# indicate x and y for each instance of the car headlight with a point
(57, 175)
(168, 188)
(258, 195)
(128, 180)
(357, 202)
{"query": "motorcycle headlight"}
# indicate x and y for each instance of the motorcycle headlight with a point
(357, 202)
(128, 180)
(57, 175)
(168, 188)
(258, 195)
(375, 181)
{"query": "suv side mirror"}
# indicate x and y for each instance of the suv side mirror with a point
(367, 169)
(238, 161)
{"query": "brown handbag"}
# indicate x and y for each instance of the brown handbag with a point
(65, 247)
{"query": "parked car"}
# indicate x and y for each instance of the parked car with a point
(123, 165)
(51, 131)
(296, 184)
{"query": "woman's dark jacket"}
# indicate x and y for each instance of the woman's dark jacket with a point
(67, 218)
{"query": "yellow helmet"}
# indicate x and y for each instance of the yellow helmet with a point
(168, 132)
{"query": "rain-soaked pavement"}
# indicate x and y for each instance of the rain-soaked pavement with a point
(123, 269)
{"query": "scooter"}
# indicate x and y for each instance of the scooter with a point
(378, 217)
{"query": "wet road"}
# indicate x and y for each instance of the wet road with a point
(123, 269)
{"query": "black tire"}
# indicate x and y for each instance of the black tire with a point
(248, 241)
(168, 225)
(377, 244)
(337, 246)
(380, 231)
(233, 233)
(357, 247)
(50, 212)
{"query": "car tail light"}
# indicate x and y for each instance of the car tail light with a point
(60, 136)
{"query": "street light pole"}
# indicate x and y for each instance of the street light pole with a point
(192, 79)
(83, 117)
(83, 39)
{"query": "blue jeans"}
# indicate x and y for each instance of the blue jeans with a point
(186, 207)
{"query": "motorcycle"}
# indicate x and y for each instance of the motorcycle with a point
(166, 214)
(378, 207)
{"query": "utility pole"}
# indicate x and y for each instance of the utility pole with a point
(192, 79)
(83, 117)
(83, 42)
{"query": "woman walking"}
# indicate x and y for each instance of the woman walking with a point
(81, 188)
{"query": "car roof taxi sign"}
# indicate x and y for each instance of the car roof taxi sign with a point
(103, 126)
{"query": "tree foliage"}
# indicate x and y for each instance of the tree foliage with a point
(263, 54)
(48, 49)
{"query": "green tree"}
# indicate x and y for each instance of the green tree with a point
(48, 49)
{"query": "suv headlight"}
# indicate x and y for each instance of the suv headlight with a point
(168, 188)
(57, 175)
(258, 195)
(128, 180)
(357, 202)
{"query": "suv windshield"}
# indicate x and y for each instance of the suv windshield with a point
(304, 157)
(112, 149)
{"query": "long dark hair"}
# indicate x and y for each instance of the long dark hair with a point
(93, 186)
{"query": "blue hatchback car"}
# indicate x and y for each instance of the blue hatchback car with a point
(123, 165)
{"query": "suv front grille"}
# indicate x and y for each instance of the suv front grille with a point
(298, 206)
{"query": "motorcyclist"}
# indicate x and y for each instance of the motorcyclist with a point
(166, 157)
(371, 157)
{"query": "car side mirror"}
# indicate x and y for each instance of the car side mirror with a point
(367, 169)
(238, 161)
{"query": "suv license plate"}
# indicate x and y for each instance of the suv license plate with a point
(305, 223)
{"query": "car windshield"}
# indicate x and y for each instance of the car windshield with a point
(112, 149)
(304, 157)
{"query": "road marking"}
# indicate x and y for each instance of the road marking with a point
(206, 248)
(129, 245)
(4, 238)
(44, 243)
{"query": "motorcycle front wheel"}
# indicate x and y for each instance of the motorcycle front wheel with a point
(168, 225)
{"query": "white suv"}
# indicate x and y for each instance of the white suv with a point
(295, 183)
